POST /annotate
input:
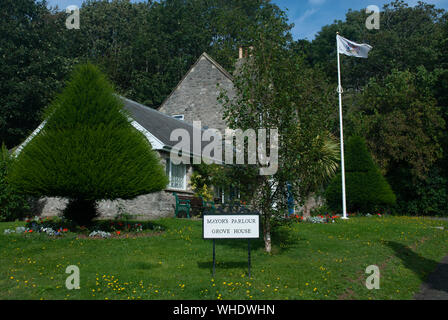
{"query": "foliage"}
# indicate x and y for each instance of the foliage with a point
(408, 37)
(13, 205)
(420, 197)
(322, 165)
(275, 90)
(366, 188)
(62, 225)
(88, 150)
(34, 65)
(403, 124)
(200, 182)
(397, 97)
(37, 224)
(147, 47)
(206, 178)
(144, 47)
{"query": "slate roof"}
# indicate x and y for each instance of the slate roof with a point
(159, 124)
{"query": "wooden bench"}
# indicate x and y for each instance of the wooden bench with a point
(196, 205)
(182, 204)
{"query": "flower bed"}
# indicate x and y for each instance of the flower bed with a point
(99, 229)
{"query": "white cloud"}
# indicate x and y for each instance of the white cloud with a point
(316, 2)
(308, 13)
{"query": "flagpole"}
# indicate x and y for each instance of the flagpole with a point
(344, 202)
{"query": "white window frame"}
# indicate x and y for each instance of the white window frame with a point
(170, 170)
(179, 117)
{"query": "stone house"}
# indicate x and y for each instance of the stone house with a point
(195, 98)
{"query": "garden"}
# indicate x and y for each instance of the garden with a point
(86, 151)
(172, 261)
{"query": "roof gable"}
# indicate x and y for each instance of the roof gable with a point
(204, 56)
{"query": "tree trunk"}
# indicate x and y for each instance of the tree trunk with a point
(81, 211)
(267, 234)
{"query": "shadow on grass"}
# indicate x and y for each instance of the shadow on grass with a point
(240, 244)
(282, 240)
(223, 265)
(421, 266)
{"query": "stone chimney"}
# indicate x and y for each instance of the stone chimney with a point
(245, 52)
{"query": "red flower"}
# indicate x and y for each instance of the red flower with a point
(30, 231)
(65, 230)
(118, 232)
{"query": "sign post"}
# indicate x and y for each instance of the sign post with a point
(231, 226)
(248, 256)
(214, 258)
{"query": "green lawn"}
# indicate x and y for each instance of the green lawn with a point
(308, 262)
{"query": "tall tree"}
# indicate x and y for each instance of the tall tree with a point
(402, 121)
(87, 150)
(32, 65)
(275, 90)
(408, 37)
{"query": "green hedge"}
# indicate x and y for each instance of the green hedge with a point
(366, 189)
(13, 205)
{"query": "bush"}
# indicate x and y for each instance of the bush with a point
(88, 150)
(366, 189)
(428, 197)
(13, 205)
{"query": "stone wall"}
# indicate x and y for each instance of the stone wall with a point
(146, 207)
(196, 97)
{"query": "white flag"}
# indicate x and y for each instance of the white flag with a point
(351, 48)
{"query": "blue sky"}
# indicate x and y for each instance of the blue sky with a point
(309, 16)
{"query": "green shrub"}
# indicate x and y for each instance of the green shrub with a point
(88, 150)
(13, 205)
(427, 197)
(366, 189)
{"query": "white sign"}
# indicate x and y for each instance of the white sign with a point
(231, 226)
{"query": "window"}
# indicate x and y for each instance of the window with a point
(177, 175)
(179, 117)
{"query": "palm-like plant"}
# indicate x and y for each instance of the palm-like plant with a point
(321, 165)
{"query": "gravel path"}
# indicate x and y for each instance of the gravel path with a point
(436, 287)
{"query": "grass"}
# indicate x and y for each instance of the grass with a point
(309, 261)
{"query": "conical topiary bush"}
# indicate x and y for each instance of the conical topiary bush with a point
(366, 188)
(88, 150)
